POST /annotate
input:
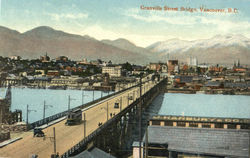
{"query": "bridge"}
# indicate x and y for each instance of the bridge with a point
(71, 140)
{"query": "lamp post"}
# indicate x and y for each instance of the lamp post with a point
(53, 139)
(83, 96)
(120, 104)
(84, 122)
(28, 111)
(69, 102)
(44, 109)
(140, 110)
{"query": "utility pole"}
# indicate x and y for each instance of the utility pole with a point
(93, 95)
(69, 103)
(144, 88)
(120, 104)
(54, 131)
(84, 122)
(53, 139)
(44, 109)
(133, 95)
(140, 106)
(83, 96)
(128, 98)
(107, 111)
(146, 143)
(27, 114)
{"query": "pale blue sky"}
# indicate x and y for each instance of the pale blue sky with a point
(112, 19)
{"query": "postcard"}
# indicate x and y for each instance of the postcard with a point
(116, 78)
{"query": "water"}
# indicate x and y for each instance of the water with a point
(204, 105)
(57, 100)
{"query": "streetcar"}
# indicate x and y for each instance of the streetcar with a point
(74, 117)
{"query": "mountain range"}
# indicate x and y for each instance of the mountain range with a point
(218, 49)
(38, 41)
(223, 49)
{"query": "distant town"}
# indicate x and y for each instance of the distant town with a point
(63, 73)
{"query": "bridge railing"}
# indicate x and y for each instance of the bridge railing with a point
(78, 147)
(64, 113)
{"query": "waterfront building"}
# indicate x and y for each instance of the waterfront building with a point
(113, 71)
(5, 104)
(6, 116)
(181, 136)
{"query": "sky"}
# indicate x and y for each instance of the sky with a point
(113, 19)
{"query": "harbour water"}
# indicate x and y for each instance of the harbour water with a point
(204, 105)
(56, 101)
(235, 106)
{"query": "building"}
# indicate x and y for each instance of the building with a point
(45, 58)
(53, 73)
(15, 57)
(6, 116)
(5, 104)
(192, 61)
(155, 66)
(173, 66)
(62, 59)
(203, 137)
(113, 71)
(176, 142)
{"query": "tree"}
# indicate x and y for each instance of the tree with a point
(127, 66)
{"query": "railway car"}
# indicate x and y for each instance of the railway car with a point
(74, 117)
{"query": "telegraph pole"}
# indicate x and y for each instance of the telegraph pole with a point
(84, 122)
(69, 103)
(140, 110)
(133, 95)
(27, 115)
(121, 104)
(107, 111)
(128, 98)
(93, 95)
(44, 108)
(82, 97)
(54, 131)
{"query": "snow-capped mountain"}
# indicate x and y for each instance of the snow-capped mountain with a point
(218, 49)
(218, 41)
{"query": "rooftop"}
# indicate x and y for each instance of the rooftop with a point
(217, 142)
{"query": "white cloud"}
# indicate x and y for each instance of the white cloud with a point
(58, 17)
